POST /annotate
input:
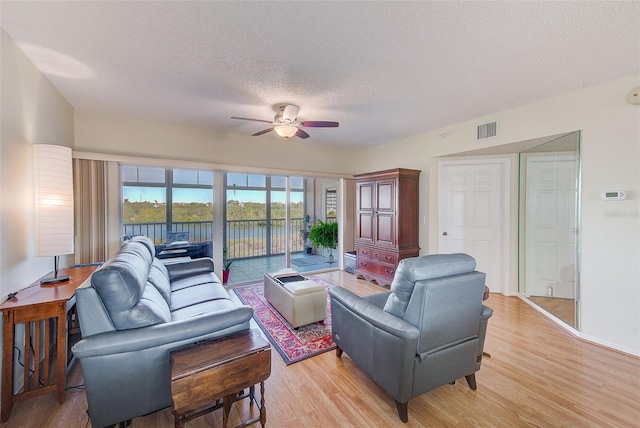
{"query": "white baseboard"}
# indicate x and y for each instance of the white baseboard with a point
(610, 345)
(578, 334)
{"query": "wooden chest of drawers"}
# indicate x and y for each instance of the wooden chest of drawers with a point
(374, 264)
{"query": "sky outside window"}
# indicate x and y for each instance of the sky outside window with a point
(203, 196)
(144, 194)
(158, 194)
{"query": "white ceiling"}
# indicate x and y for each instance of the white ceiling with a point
(384, 70)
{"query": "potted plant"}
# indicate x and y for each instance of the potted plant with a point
(226, 265)
(325, 235)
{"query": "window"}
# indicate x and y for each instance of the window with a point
(331, 205)
(166, 203)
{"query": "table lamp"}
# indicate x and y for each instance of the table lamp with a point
(53, 181)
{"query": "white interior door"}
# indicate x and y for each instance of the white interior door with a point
(471, 219)
(550, 230)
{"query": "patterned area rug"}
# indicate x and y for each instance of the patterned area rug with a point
(293, 345)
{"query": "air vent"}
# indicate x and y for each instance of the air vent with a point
(487, 130)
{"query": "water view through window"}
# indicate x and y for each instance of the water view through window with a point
(161, 203)
(164, 203)
(256, 214)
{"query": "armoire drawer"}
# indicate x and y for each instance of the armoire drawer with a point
(377, 268)
(365, 253)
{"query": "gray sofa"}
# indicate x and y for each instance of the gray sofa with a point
(427, 331)
(133, 311)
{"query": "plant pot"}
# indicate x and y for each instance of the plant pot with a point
(225, 276)
(309, 250)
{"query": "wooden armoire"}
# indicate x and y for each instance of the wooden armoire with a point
(387, 222)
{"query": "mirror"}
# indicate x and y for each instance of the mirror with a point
(548, 221)
(548, 226)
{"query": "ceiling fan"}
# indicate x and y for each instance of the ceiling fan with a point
(286, 123)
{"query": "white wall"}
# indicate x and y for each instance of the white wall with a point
(33, 112)
(610, 231)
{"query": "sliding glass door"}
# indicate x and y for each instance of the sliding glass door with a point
(267, 220)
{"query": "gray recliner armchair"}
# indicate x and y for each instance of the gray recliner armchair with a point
(427, 331)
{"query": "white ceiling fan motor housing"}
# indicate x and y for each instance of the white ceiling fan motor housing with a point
(288, 113)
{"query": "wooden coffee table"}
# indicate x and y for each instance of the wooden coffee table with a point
(214, 374)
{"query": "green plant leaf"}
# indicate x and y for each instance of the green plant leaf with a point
(324, 234)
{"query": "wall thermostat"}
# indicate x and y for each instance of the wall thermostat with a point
(618, 195)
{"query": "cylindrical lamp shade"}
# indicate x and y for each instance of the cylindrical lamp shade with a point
(53, 177)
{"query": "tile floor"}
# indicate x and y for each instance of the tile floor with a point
(248, 270)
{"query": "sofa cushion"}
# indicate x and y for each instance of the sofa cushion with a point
(202, 278)
(120, 282)
(212, 306)
(421, 268)
(197, 294)
(142, 243)
(151, 309)
(159, 278)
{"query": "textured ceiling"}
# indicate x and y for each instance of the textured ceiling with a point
(384, 70)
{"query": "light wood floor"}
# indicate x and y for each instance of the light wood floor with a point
(563, 309)
(538, 375)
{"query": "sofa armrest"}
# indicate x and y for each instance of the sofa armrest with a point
(92, 315)
(375, 315)
(122, 341)
(189, 268)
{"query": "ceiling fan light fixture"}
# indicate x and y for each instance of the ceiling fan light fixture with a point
(286, 123)
(286, 131)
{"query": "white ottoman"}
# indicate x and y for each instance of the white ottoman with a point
(299, 300)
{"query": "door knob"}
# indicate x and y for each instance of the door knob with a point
(444, 233)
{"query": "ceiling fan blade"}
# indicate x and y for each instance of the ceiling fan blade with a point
(253, 120)
(320, 124)
(264, 131)
(300, 133)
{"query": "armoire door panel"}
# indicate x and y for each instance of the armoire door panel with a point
(365, 222)
(385, 230)
(365, 196)
(386, 201)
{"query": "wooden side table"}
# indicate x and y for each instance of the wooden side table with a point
(485, 296)
(38, 308)
(214, 374)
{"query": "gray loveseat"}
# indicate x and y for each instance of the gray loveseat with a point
(133, 311)
(427, 331)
